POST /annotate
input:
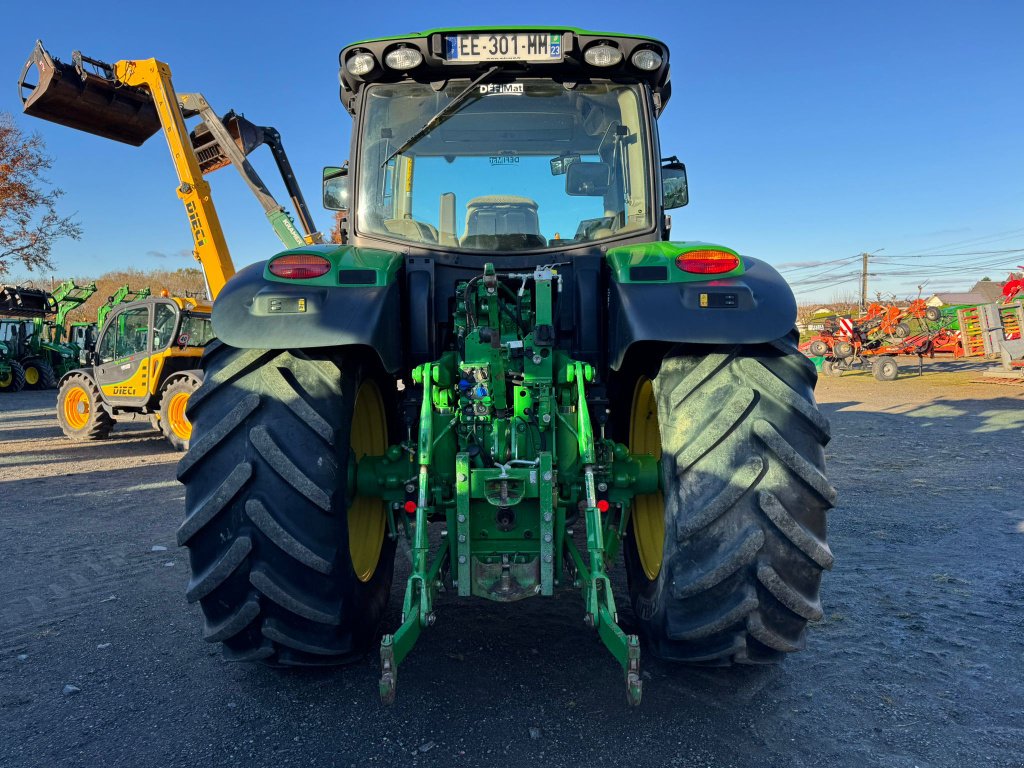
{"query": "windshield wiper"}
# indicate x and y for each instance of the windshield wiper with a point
(443, 114)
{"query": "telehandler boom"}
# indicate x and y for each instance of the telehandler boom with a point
(129, 101)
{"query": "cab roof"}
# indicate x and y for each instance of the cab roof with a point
(437, 67)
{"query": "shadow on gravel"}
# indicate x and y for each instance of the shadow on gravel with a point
(140, 444)
(106, 483)
(12, 434)
(6, 418)
(982, 415)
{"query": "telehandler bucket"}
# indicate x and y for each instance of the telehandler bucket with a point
(211, 155)
(71, 95)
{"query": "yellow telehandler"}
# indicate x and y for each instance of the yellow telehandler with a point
(146, 361)
(146, 356)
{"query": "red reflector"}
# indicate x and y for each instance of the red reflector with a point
(707, 262)
(299, 266)
(410, 507)
(602, 505)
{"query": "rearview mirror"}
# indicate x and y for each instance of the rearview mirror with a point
(588, 179)
(560, 165)
(674, 191)
(336, 188)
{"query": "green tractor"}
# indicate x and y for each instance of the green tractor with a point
(508, 347)
(32, 328)
(12, 375)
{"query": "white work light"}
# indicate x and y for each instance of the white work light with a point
(646, 59)
(360, 64)
(403, 58)
(602, 55)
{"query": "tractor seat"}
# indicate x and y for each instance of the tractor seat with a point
(502, 221)
(410, 229)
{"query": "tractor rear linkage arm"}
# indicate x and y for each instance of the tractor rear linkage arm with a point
(629, 474)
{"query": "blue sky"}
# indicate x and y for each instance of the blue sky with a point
(812, 131)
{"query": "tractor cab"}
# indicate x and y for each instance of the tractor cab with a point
(504, 142)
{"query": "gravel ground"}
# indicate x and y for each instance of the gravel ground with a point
(918, 661)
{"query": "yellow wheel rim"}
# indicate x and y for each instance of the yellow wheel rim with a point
(649, 509)
(31, 375)
(367, 516)
(176, 419)
(77, 408)
(6, 378)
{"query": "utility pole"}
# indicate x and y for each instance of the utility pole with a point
(864, 282)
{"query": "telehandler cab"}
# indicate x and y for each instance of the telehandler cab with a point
(575, 383)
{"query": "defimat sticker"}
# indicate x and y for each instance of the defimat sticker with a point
(500, 88)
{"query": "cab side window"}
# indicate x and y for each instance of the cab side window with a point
(163, 326)
(127, 335)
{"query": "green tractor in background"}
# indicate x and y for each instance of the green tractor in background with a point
(33, 330)
(12, 375)
(509, 347)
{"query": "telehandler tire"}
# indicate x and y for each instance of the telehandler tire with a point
(287, 567)
(80, 410)
(724, 565)
(171, 419)
(14, 381)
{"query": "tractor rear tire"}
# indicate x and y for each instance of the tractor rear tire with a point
(80, 410)
(38, 374)
(287, 569)
(171, 419)
(743, 524)
(15, 380)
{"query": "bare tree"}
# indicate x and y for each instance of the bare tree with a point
(29, 222)
(340, 223)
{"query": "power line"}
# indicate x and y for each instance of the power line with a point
(977, 240)
(952, 255)
(818, 264)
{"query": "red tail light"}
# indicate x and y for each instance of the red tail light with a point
(299, 266)
(707, 262)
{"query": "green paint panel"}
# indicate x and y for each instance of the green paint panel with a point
(344, 259)
(663, 254)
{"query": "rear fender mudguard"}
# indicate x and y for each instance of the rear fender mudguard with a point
(255, 313)
(755, 307)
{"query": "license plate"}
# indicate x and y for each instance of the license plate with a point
(492, 46)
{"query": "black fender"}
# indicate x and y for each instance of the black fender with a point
(85, 371)
(192, 373)
(755, 307)
(252, 312)
(89, 373)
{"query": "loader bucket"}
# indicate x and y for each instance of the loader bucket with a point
(16, 301)
(211, 156)
(73, 96)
